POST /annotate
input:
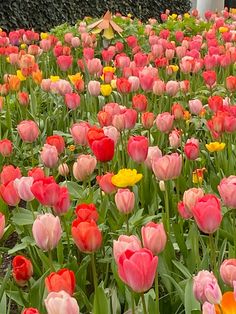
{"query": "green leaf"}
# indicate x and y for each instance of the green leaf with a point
(182, 268)
(100, 302)
(22, 217)
(3, 304)
(176, 285)
(4, 282)
(37, 291)
(75, 190)
(190, 303)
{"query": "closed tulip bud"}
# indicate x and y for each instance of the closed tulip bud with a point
(23, 188)
(112, 133)
(139, 102)
(154, 237)
(124, 243)
(6, 148)
(87, 236)
(138, 148)
(227, 190)
(28, 131)
(9, 194)
(172, 88)
(195, 106)
(153, 152)
(47, 231)
(79, 133)
(75, 42)
(175, 139)
(9, 173)
(228, 271)
(159, 87)
(103, 149)
(148, 119)
(104, 118)
(191, 149)
(105, 183)
(207, 213)
(2, 225)
(94, 88)
(132, 272)
(57, 141)
(84, 167)
(231, 83)
(22, 270)
(184, 213)
(64, 279)
(208, 308)
(49, 156)
(177, 111)
(30, 310)
(61, 303)
(164, 122)
(206, 288)
(125, 201)
(190, 198)
(167, 167)
(64, 62)
(63, 170)
(209, 78)
(72, 101)
(135, 83)
(215, 103)
(23, 98)
(62, 203)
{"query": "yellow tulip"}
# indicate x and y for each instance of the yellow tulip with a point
(109, 69)
(23, 46)
(198, 176)
(54, 78)
(215, 147)
(44, 35)
(106, 89)
(223, 29)
(75, 77)
(174, 67)
(126, 177)
(186, 15)
(20, 76)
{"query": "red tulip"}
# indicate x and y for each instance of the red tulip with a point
(139, 102)
(191, 149)
(22, 270)
(86, 212)
(6, 148)
(123, 85)
(103, 149)
(64, 62)
(30, 310)
(215, 103)
(147, 119)
(209, 78)
(94, 133)
(9, 194)
(105, 183)
(9, 173)
(72, 100)
(64, 279)
(138, 148)
(57, 141)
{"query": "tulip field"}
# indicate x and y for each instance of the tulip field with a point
(117, 166)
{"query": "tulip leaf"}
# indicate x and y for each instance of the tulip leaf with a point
(22, 217)
(190, 303)
(182, 268)
(3, 304)
(100, 302)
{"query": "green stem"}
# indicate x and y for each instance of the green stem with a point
(167, 210)
(127, 224)
(67, 233)
(157, 294)
(144, 304)
(212, 252)
(133, 302)
(95, 280)
(51, 261)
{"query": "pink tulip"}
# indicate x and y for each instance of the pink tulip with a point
(132, 272)
(23, 188)
(75, 42)
(167, 167)
(112, 133)
(64, 62)
(94, 88)
(172, 88)
(49, 156)
(61, 303)
(154, 237)
(191, 149)
(135, 83)
(2, 225)
(94, 66)
(72, 100)
(164, 122)
(46, 85)
(159, 87)
(9, 194)
(175, 139)
(84, 167)
(227, 190)
(138, 148)
(190, 198)
(47, 231)
(207, 213)
(130, 117)
(206, 288)
(195, 106)
(79, 133)
(124, 243)
(228, 271)
(153, 152)
(28, 131)
(6, 148)
(105, 183)
(125, 201)
(208, 308)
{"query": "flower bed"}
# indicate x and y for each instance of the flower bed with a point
(117, 158)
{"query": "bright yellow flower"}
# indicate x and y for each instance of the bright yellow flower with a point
(126, 177)
(174, 67)
(8, 59)
(44, 35)
(228, 304)
(173, 16)
(106, 89)
(71, 148)
(215, 147)
(109, 69)
(187, 115)
(129, 15)
(54, 78)
(23, 46)
(223, 29)
(198, 175)
(20, 76)
(186, 15)
(76, 77)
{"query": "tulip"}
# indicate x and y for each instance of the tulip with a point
(195, 106)
(147, 119)
(215, 103)
(23, 98)
(207, 213)
(227, 190)
(63, 169)
(47, 231)
(64, 62)
(86, 212)
(9, 173)
(23, 188)
(62, 203)
(36, 173)
(6, 148)
(190, 198)
(153, 152)
(79, 133)
(94, 134)
(125, 201)
(164, 122)
(57, 141)
(135, 83)
(112, 133)
(175, 138)
(172, 88)
(206, 288)
(94, 88)
(138, 148)
(177, 111)
(159, 87)
(123, 85)
(231, 83)
(132, 272)
(86, 235)
(22, 270)
(208, 308)
(103, 149)
(209, 78)
(191, 149)
(104, 118)
(28, 131)
(228, 271)
(130, 118)
(61, 303)
(49, 156)
(139, 102)
(30, 310)
(84, 167)
(167, 167)
(9, 194)
(124, 243)
(72, 100)
(154, 237)
(105, 183)
(46, 191)
(64, 279)
(2, 225)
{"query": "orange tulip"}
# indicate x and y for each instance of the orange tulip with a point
(37, 77)
(14, 82)
(228, 304)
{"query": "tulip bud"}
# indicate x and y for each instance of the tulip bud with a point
(22, 270)
(61, 302)
(125, 200)
(63, 169)
(154, 237)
